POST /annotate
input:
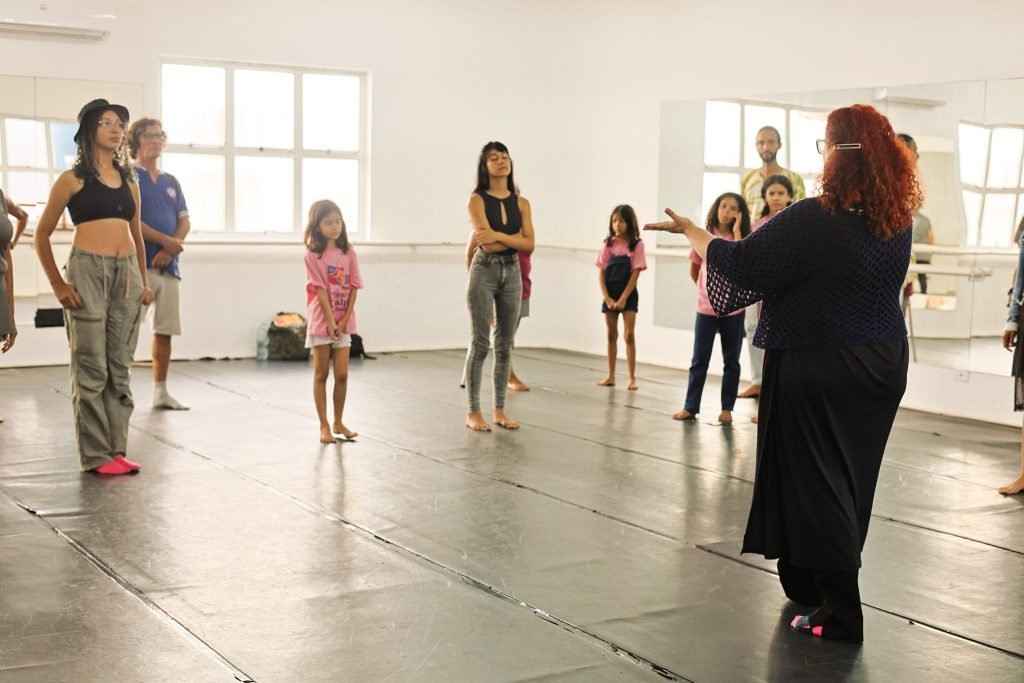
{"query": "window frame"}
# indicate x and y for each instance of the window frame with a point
(297, 154)
(984, 190)
(810, 179)
(51, 169)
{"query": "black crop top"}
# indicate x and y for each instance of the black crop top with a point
(96, 201)
(492, 208)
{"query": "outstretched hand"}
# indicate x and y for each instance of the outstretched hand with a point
(678, 224)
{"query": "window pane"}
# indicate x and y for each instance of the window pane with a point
(812, 185)
(203, 183)
(756, 117)
(330, 112)
(973, 154)
(997, 222)
(30, 189)
(972, 212)
(264, 109)
(714, 185)
(722, 134)
(62, 139)
(26, 143)
(334, 179)
(1004, 164)
(193, 104)
(806, 128)
(264, 199)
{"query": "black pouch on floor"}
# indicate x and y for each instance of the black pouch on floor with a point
(358, 350)
(286, 338)
(49, 317)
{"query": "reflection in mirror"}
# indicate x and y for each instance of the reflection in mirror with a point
(970, 141)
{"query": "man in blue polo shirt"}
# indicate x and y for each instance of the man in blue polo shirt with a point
(164, 227)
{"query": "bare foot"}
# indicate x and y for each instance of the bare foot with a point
(503, 420)
(340, 428)
(683, 414)
(725, 417)
(632, 385)
(607, 382)
(326, 436)
(475, 421)
(753, 391)
(518, 385)
(1014, 488)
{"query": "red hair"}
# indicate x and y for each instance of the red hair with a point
(879, 179)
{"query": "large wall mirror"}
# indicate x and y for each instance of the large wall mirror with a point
(970, 139)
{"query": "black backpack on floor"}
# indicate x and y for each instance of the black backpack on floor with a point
(286, 338)
(358, 350)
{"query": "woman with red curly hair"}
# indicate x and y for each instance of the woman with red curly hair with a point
(829, 271)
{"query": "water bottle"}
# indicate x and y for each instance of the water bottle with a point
(263, 342)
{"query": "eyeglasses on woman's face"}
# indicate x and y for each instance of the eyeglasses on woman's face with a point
(152, 137)
(109, 123)
(825, 144)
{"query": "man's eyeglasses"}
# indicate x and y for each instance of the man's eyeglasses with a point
(162, 137)
(107, 123)
(824, 144)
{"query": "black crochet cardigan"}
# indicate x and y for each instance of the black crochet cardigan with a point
(825, 281)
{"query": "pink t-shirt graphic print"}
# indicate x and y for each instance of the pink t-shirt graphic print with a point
(337, 273)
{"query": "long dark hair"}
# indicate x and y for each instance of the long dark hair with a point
(314, 237)
(628, 216)
(483, 178)
(778, 179)
(85, 160)
(712, 221)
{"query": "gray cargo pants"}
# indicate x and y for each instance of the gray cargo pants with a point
(102, 334)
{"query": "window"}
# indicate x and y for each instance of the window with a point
(33, 152)
(730, 129)
(264, 144)
(993, 182)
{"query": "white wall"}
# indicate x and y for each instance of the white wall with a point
(573, 87)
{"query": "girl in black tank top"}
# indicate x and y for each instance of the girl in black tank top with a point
(102, 287)
(511, 223)
(502, 226)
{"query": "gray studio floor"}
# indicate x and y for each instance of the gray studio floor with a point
(599, 543)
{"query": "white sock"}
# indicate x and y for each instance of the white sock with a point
(161, 399)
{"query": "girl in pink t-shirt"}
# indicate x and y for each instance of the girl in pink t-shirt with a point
(332, 281)
(619, 264)
(777, 193)
(729, 219)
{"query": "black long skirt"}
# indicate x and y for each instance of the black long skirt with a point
(823, 422)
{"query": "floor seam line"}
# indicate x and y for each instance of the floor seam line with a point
(465, 578)
(201, 645)
(623, 449)
(911, 620)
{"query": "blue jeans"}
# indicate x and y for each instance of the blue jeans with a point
(731, 330)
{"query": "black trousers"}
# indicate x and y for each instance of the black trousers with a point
(835, 593)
